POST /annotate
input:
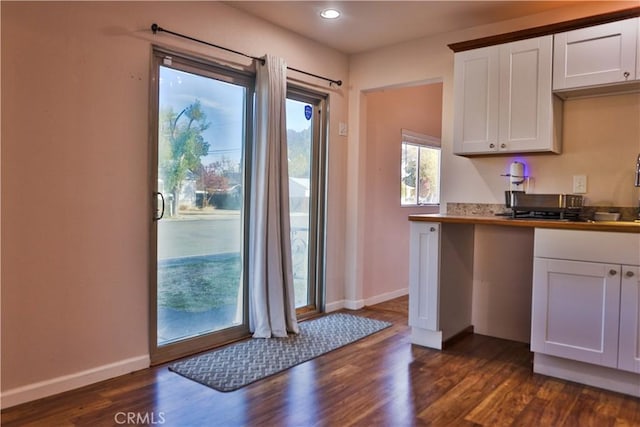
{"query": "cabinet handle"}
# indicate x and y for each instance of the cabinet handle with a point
(626, 75)
(492, 145)
(629, 274)
(613, 272)
(432, 229)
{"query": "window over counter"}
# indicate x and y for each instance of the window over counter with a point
(420, 169)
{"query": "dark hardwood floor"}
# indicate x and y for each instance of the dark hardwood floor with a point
(381, 380)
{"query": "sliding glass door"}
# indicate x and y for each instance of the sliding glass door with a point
(203, 126)
(202, 123)
(306, 124)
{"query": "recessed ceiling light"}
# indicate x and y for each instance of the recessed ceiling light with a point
(330, 13)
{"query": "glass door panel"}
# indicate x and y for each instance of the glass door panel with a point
(199, 237)
(306, 154)
(300, 144)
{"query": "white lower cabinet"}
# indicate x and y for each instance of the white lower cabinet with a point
(575, 311)
(423, 275)
(586, 307)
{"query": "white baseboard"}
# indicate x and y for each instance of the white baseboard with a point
(64, 383)
(345, 303)
(386, 296)
(358, 304)
(333, 306)
(350, 304)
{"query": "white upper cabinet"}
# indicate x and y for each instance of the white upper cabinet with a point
(526, 100)
(476, 97)
(597, 55)
(503, 102)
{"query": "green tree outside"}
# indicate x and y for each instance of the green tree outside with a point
(181, 146)
(298, 146)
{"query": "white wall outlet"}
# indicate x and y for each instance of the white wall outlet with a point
(579, 184)
(342, 129)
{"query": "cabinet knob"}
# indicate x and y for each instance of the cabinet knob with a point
(613, 272)
(434, 229)
(492, 145)
(503, 145)
(629, 274)
(626, 75)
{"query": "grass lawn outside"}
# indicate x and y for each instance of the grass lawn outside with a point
(201, 283)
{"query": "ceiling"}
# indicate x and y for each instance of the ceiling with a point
(366, 25)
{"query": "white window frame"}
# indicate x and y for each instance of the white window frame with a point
(421, 140)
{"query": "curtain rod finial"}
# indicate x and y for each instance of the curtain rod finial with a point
(154, 28)
(339, 82)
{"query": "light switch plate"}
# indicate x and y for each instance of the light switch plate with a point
(579, 184)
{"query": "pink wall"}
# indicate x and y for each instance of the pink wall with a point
(386, 253)
(75, 176)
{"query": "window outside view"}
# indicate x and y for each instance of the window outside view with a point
(420, 179)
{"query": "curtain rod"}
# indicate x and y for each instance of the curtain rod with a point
(155, 28)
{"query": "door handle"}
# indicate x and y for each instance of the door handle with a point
(156, 217)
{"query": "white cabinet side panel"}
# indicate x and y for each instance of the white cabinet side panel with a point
(629, 353)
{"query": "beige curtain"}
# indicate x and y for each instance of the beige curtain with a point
(272, 303)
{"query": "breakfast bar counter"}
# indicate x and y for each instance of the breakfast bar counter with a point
(614, 226)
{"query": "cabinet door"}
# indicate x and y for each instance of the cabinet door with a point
(575, 310)
(476, 100)
(596, 55)
(629, 353)
(424, 261)
(526, 113)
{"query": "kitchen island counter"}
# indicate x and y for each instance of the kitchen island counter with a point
(615, 226)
